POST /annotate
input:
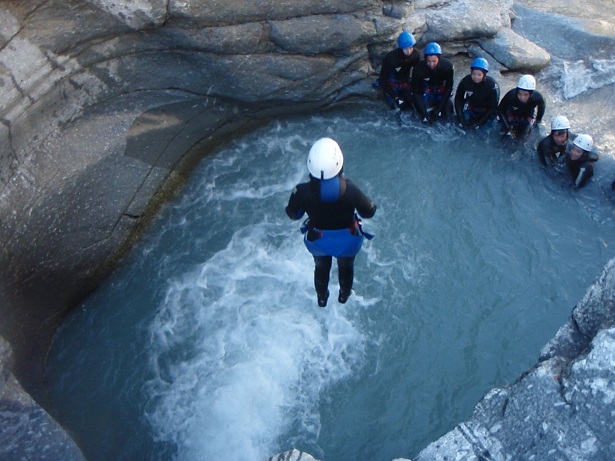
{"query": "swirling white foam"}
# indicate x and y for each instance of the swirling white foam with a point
(240, 351)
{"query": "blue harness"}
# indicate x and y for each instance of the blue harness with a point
(339, 243)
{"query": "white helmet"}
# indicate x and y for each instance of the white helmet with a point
(584, 141)
(560, 123)
(325, 159)
(527, 82)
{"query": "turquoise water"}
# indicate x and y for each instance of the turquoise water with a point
(208, 343)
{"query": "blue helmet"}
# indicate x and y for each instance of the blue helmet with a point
(405, 40)
(432, 49)
(481, 64)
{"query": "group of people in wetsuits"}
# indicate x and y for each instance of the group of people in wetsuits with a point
(426, 86)
(334, 204)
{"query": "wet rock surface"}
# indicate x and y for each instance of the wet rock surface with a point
(27, 431)
(562, 408)
(106, 105)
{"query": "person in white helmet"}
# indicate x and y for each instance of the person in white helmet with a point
(580, 159)
(333, 229)
(395, 72)
(521, 108)
(552, 149)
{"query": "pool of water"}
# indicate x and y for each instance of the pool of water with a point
(208, 343)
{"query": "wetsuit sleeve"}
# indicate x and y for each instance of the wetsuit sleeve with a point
(417, 90)
(502, 107)
(368, 210)
(542, 150)
(419, 104)
(385, 75)
(385, 70)
(364, 206)
(450, 76)
(492, 104)
(585, 172)
(540, 107)
(460, 101)
(494, 97)
(294, 209)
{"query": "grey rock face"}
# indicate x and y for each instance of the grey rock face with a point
(596, 311)
(515, 52)
(467, 20)
(216, 13)
(27, 432)
(561, 409)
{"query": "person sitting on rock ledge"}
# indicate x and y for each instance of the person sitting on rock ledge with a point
(395, 72)
(521, 108)
(477, 97)
(552, 149)
(432, 85)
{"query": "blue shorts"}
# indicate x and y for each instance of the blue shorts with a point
(339, 243)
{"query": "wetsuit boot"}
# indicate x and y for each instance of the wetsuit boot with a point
(322, 300)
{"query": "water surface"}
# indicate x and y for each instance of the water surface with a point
(208, 343)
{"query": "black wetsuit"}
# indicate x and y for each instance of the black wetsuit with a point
(395, 77)
(476, 103)
(582, 169)
(330, 215)
(433, 89)
(550, 153)
(517, 117)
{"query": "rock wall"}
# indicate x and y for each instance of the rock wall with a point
(27, 432)
(561, 409)
(106, 105)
